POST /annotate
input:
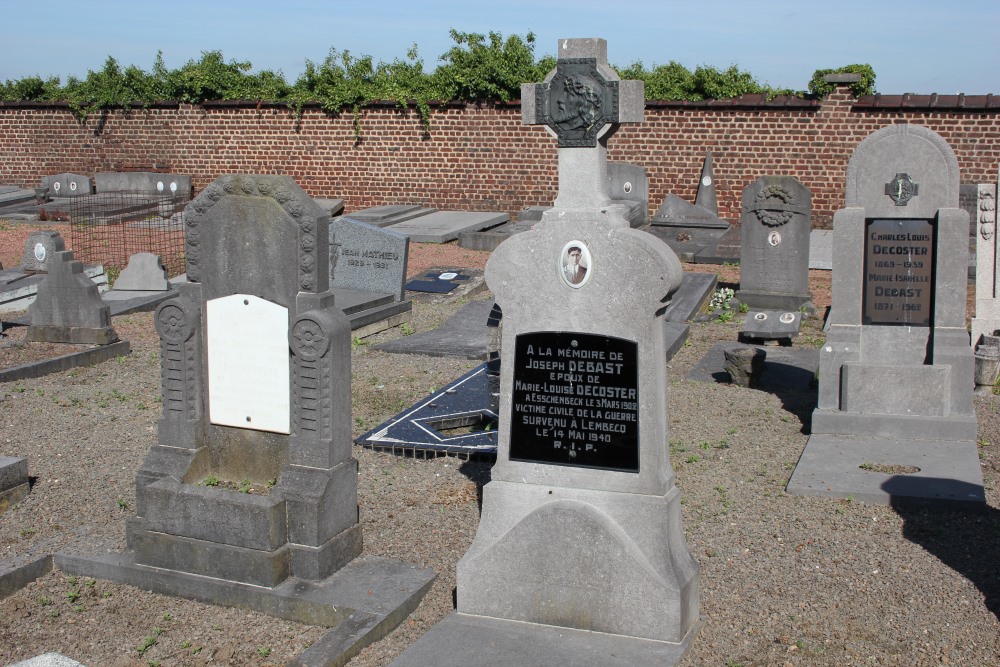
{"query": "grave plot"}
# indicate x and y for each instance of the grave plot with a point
(895, 421)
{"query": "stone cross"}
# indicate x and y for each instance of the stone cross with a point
(582, 102)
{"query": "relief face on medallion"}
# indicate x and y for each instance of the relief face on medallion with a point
(575, 264)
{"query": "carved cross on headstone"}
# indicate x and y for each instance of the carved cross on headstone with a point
(582, 103)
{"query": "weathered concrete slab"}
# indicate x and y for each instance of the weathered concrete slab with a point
(464, 334)
(690, 297)
(390, 214)
(361, 603)
(463, 640)
(87, 357)
(444, 226)
(888, 471)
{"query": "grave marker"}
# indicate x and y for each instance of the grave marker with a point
(987, 319)
(583, 476)
(68, 307)
(896, 372)
(774, 255)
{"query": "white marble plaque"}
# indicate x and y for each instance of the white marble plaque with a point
(248, 365)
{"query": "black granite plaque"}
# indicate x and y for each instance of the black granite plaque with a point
(899, 272)
(575, 401)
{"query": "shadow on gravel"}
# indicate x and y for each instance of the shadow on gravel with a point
(967, 542)
(478, 472)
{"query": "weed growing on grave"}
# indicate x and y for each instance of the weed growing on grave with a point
(725, 316)
(245, 486)
(357, 342)
(186, 643)
(73, 595)
(19, 388)
(693, 458)
(982, 445)
(122, 504)
(211, 480)
(744, 308)
(45, 602)
(27, 532)
(724, 498)
(406, 328)
(271, 482)
(263, 651)
(149, 642)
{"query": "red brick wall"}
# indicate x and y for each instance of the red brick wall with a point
(477, 157)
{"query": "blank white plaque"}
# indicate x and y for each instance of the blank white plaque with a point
(248, 367)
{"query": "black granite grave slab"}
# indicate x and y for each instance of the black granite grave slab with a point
(456, 420)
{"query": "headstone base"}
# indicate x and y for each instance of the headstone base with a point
(651, 593)
(890, 471)
(771, 301)
(829, 422)
(463, 640)
(46, 333)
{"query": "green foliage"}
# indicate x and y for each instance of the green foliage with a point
(673, 81)
(481, 69)
(477, 68)
(866, 86)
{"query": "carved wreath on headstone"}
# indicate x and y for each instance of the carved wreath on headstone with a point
(254, 187)
(769, 214)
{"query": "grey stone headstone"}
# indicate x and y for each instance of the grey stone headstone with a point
(255, 313)
(676, 212)
(987, 319)
(583, 357)
(68, 308)
(67, 185)
(706, 197)
(145, 273)
(39, 247)
(144, 181)
(774, 255)
(896, 371)
(368, 258)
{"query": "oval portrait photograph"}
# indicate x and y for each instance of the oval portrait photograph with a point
(575, 264)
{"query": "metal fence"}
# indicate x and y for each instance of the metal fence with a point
(109, 227)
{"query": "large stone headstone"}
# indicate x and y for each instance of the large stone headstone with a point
(256, 386)
(39, 247)
(580, 527)
(774, 255)
(69, 308)
(896, 372)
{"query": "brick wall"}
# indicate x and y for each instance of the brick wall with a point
(481, 157)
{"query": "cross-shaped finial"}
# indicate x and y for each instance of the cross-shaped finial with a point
(582, 96)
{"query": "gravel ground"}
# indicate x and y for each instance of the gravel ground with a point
(784, 580)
